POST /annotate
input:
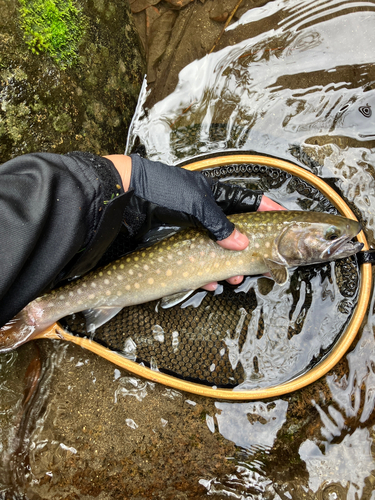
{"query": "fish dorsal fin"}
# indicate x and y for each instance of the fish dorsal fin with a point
(279, 272)
(175, 298)
(97, 317)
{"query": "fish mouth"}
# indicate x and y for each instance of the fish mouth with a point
(341, 248)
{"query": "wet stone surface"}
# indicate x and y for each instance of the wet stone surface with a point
(88, 106)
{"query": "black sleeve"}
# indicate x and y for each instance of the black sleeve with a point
(58, 215)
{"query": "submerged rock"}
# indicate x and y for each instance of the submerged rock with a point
(83, 101)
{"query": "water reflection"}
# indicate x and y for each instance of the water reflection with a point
(252, 426)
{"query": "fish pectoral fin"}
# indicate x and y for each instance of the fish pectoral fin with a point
(97, 317)
(278, 272)
(176, 298)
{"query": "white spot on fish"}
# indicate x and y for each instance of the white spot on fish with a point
(179, 262)
(122, 266)
(145, 267)
(157, 271)
(62, 297)
(140, 275)
(216, 264)
(185, 274)
(213, 255)
(160, 259)
(131, 272)
(93, 285)
(227, 263)
(257, 245)
(119, 277)
(268, 244)
(100, 274)
(92, 296)
(136, 285)
(106, 282)
(191, 258)
(109, 273)
(169, 272)
(150, 281)
(127, 287)
(108, 292)
(119, 293)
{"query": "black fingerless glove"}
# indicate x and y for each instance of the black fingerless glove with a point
(168, 195)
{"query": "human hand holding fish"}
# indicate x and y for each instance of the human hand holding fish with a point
(165, 194)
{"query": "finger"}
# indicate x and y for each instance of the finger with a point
(235, 241)
(210, 287)
(268, 204)
(235, 280)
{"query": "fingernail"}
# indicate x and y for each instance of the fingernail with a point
(240, 239)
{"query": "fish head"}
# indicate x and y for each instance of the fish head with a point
(319, 238)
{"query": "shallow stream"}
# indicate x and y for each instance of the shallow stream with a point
(292, 79)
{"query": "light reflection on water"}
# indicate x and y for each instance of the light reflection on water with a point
(307, 78)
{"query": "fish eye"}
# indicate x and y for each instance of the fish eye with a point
(332, 237)
(332, 234)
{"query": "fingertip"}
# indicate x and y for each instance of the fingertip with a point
(235, 280)
(210, 287)
(235, 241)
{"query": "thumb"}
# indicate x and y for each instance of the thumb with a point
(235, 241)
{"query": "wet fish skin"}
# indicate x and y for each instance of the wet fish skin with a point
(187, 261)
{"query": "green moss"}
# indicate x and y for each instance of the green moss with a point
(54, 27)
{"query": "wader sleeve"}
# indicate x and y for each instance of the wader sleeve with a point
(58, 215)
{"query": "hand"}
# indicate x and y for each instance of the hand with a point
(160, 194)
(238, 241)
(155, 201)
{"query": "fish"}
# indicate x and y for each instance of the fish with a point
(176, 266)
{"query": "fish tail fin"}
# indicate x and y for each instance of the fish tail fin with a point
(16, 332)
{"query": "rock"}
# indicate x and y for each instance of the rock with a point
(179, 4)
(158, 40)
(59, 101)
(222, 10)
(139, 5)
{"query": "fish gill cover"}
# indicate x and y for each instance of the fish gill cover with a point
(54, 27)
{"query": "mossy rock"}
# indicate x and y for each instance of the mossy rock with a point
(70, 72)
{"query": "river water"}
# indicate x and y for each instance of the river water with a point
(290, 79)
